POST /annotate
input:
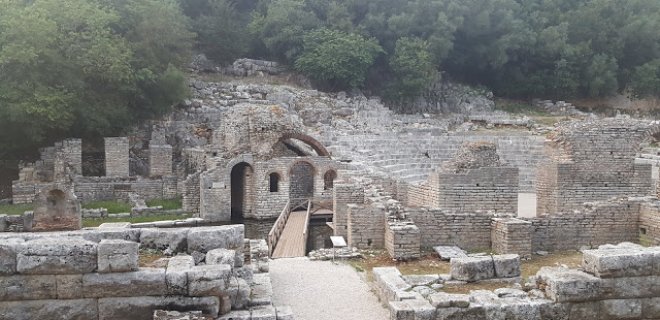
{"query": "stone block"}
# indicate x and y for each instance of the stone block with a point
(449, 252)
(28, 287)
(239, 293)
(205, 239)
(651, 308)
(446, 300)
(49, 309)
(115, 225)
(161, 239)
(390, 283)
(221, 256)
(96, 235)
(584, 310)
(621, 309)
(507, 265)
(117, 256)
(262, 290)
(632, 287)
(176, 275)
(472, 313)
(284, 313)
(9, 249)
(564, 285)
(69, 286)
(422, 308)
(208, 280)
(145, 282)
(142, 308)
(264, 313)
(57, 256)
(616, 263)
(421, 280)
(472, 268)
(176, 315)
(237, 315)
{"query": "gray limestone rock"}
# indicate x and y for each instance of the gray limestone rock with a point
(176, 275)
(145, 282)
(237, 315)
(612, 263)
(507, 265)
(622, 309)
(264, 313)
(175, 315)
(221, 256)
(262, 290)
(161, 239)
(204, 239)
(142, 308)
(448, 252)
(421, 280)
(239, 293)
(69, 286)
(510, 293)
(9, 249)
(31, 287)
(49, 309)
(57, 256)
(564, 285)
(472, 268)
(423, 290)
(198, 257)
(446, 300)
(208, 280)
(117, 256)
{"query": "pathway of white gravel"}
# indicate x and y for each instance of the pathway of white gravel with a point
(322, 290)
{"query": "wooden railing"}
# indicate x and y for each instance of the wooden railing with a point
(278, 227)
(306, 229)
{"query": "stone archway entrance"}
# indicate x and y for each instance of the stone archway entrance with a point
(242, 191)
(301, 181)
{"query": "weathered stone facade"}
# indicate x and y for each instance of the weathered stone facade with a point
(57, 209)
(116, 157)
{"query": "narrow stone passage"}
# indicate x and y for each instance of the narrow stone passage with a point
(322, 290)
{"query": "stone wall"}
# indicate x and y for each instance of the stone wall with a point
(344, 194)
(402, 240)
(649, 223)
(116, 157)
(593, 161)
(94, 274)
(512, 236)
(365, 227)
(160, 160)
(215, 191)
(191, 190)
(482, 189)
(597, 223)
(618, 282)
(439, 228)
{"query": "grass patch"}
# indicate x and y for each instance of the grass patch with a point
(111, 205)
(167, 204)
(15, 209)
(519, 107)
(95, 222)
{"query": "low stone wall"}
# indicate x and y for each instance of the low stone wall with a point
(366, 226)
(619, 282)
(94, 274)
(492, 188)
(649, 223)
(343, 195)
(438, 228)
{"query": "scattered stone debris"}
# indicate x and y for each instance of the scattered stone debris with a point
(328, 254)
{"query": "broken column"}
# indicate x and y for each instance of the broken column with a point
(56, 209)
(116, 157)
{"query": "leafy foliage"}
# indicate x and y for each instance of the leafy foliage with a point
(412, 66)
(338, 58)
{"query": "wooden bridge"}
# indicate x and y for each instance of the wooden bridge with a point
(288, 237)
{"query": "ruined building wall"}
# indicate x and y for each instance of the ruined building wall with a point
(649, 223)
(160, 160)
(483, 189)
(344, 194)
(593, 161)
(116, 157)
(366, 226)
(439, 228)
(606, 222)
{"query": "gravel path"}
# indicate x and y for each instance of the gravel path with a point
(321, 290)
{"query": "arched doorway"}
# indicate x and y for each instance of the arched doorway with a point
(301, 181)
(329, 180)
(56, 203)
(242, 190)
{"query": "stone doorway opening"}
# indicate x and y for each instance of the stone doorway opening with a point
(242, 190)
(301, 181)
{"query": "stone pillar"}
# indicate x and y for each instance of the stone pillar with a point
(72, 154)
(160, 160)
(116, 157)
(510, 235)
(403, 240)
(56, 209)
(366, 226)
(343, 195)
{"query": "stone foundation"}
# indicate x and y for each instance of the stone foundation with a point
(510, 235)
(402, 240)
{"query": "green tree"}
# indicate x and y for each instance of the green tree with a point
(221, 32)
(339, 59)
(412, 66)
(646, 79)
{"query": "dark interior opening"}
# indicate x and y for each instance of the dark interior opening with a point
(241, 190)
(274, 182)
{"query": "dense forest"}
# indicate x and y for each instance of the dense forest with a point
(95, 67)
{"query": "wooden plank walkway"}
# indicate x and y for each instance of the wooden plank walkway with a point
(292, 241)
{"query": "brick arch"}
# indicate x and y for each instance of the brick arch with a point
(313, 143)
